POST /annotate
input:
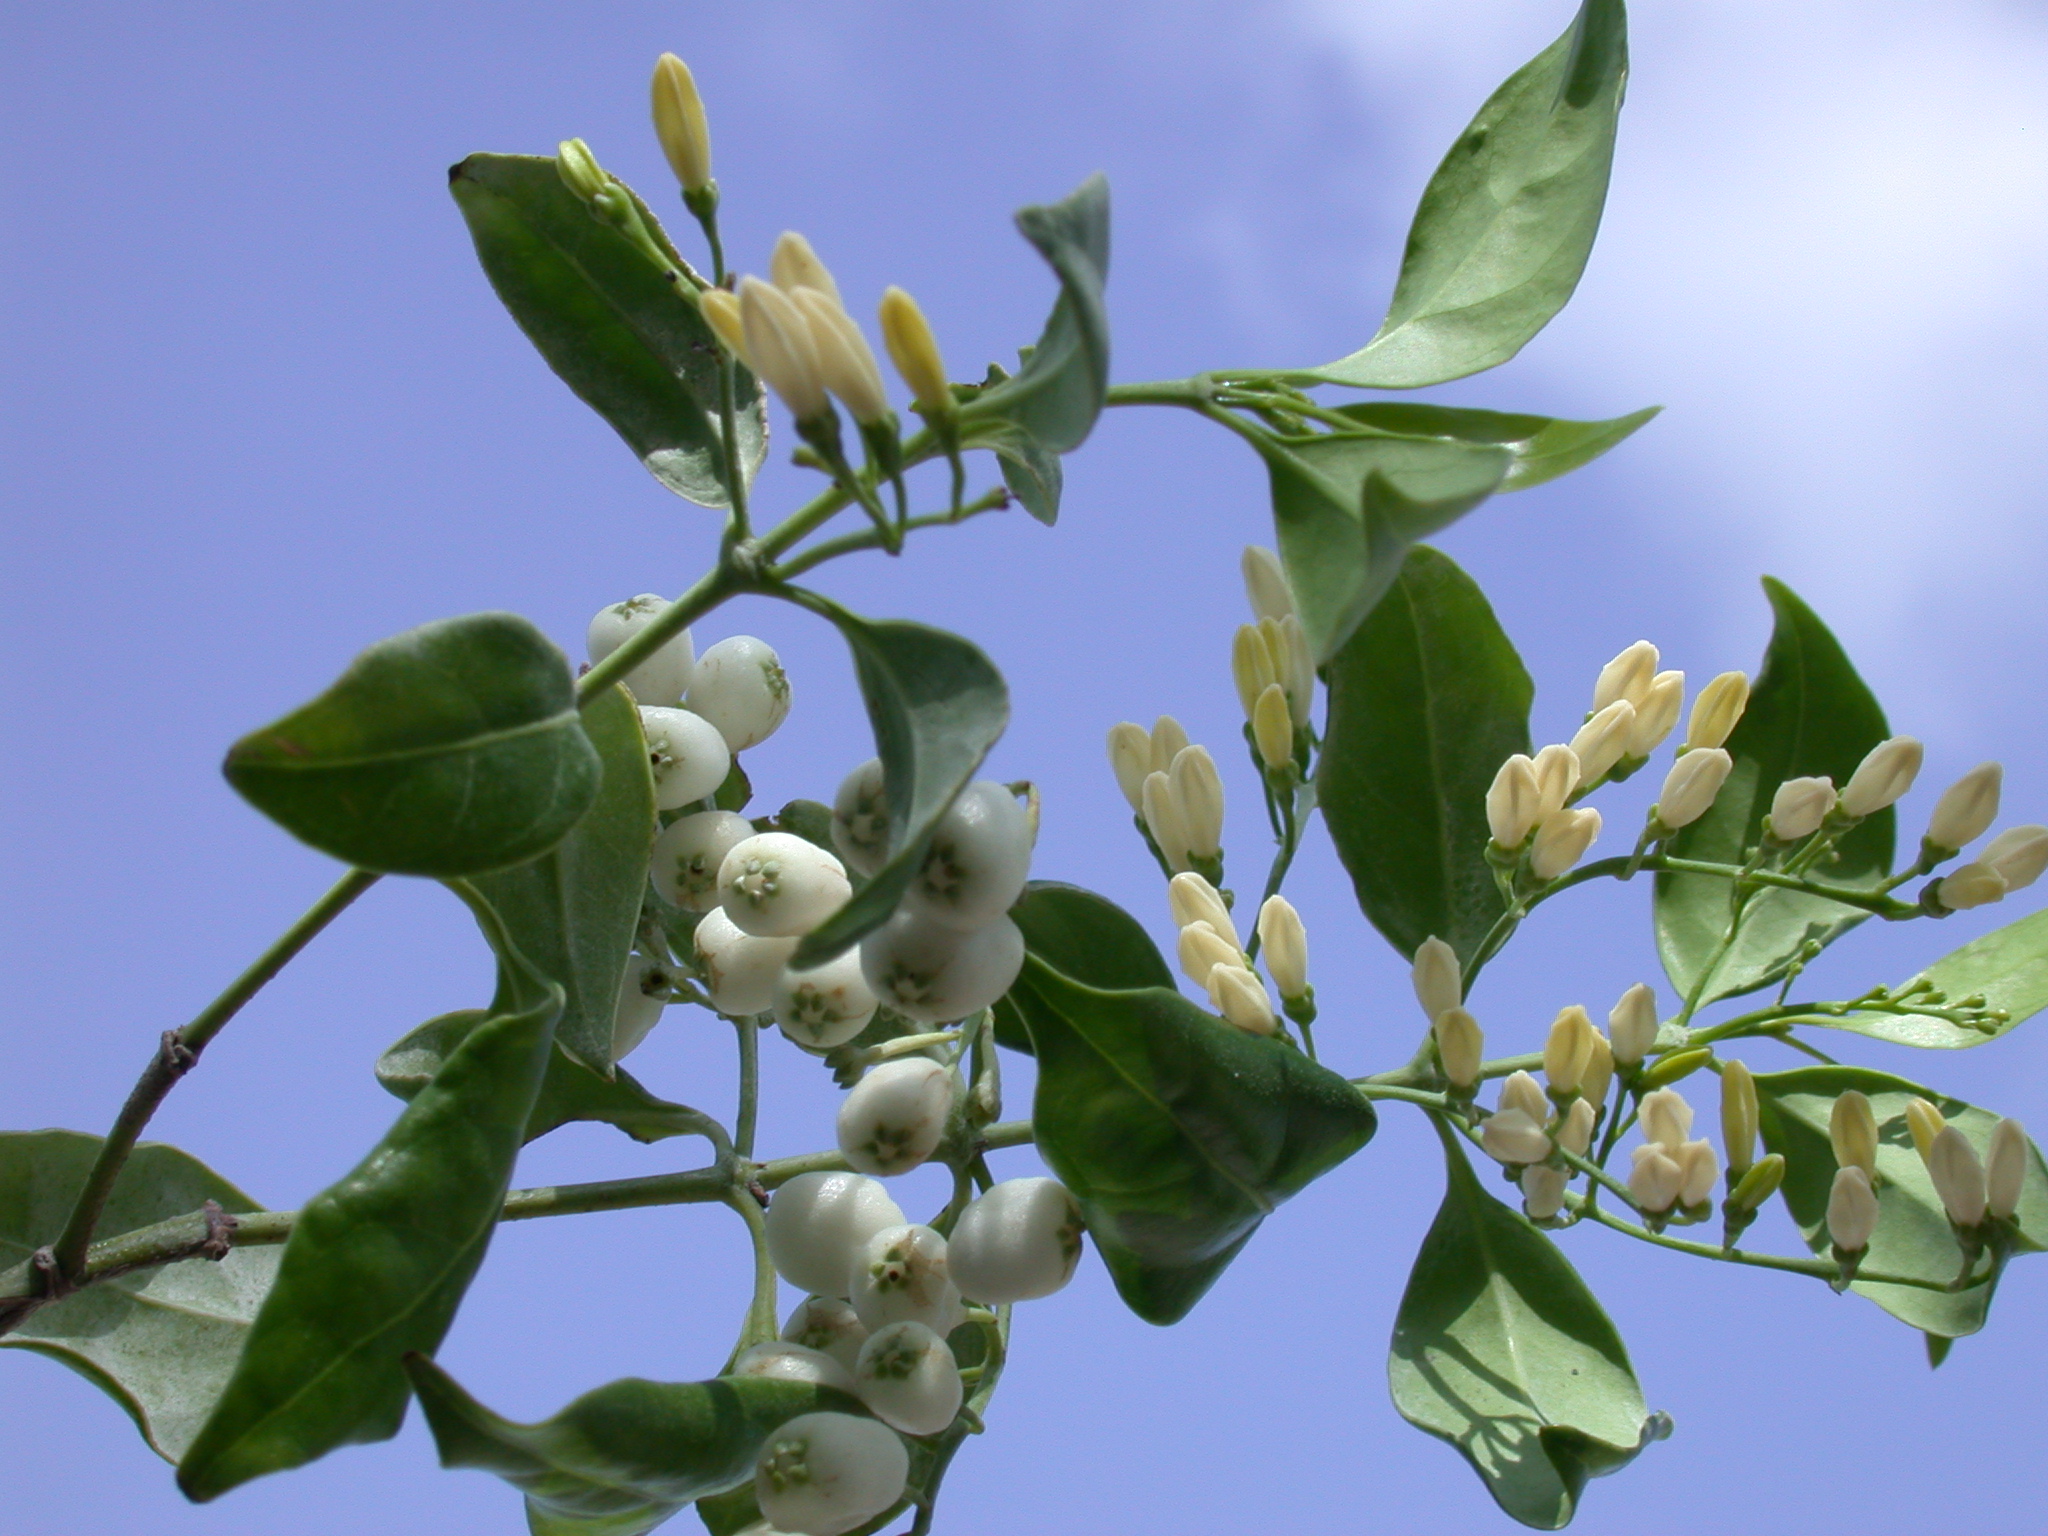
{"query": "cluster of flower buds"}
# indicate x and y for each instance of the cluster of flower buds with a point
(1751, 1179)
(1272, 666)
(1671, 1168)
(1440, 989)
(2011, 861)
(1976, 1193)
(1176, 792)
(1214, 960)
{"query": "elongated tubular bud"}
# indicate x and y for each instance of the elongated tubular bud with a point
(2019, 854)
(680, 124)
(1201, 949)
(1163, 819)
(915, 352)
(1738, 1117)
(1627, 677)
(1514, 802)
(780, 349)
(1691, 785)
(1265, 583)
(1562, 839)
(1297, 669)
(1543, 1191)
(1460, 1044)
(580, 172)
(1198, 788)
(1675, 1067)
(1251, 667)
(1717, 709)
(1760, 1183)
(1283, 943)
(1169, 739)
(793, 265)
(1241, 998)
(845, 361)
(1958, 1177)
(1519, 1090)
(1575, 1132)
(1925, 1122)
(1655, 1179)
(1852, 1132)
(721, 310)
(1602, 740)
(1193, 899)
(1273, 729)
(1970, 885)
(2005, 1169)
(1435, 975)
(1699, 1171)
(1666, 1118)
(1852, 1210)
(1599, 1071)
(1886, 772)
(1512, 1136)
(1566, 1050)
(1130, 758)
(1966, 808)
(1799, 807)
(1557, 775)
(1656, 713)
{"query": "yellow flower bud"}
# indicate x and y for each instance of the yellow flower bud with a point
(580, 172)
(2019, 854)
(1714, 713)
(1970, 885)
(1601, 741)
(1633, 1024)
(1656, 713)
(1958, 1177)
(1543, 1191)
(1886, 772)
(1699, 1171)
(1513, 802)
(1201, 949)
(1169, 740)
(1130, 757)
(1852, 1131)
(1666, 1118)
(1265, 584)
(1691, 785)
(915, 352)
(1566, 1050)
(1460, 1045)
(1575, 1135)
(1199, 789)
(779, 346)
(1512, 1136)
(1241, 998)
(1251, 667)
(794, 265)
(1599, 1072)
(1799, 807)
(1655, 1178)
(721, 310)
(1925, 1122)
(2005, 1169)
(1627, 677)
(845, 361)
(1738, 1117)
(1273, 728)
(1760, 1183)
(680, 124)
(1297, 664)
(1163, 819)
(1557, 775)
(1522, 1092)
(1194, 900)
(1966, 808)
(1562, 839)
(1438, 984)
(1283, 943)
(1852, 1210)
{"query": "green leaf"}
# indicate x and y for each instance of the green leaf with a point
(2007, 968)
(1348, 506)
(1913, 1236)
(624, 1458)
(378, 1263)
(1427, 700)
(161, 1342)
(608, 322)
(936, 705)
(1058, 392)
(447, 750)
(573, 911)
(1086, 938)
(1177, 1133)
(1500, 1349)
(1508, 220)
(1541, 447)
(1809, 713)
(1030, 469)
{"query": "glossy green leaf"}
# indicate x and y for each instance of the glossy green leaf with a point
(1913, 1236)
(608, 321)
(161, 1342)
(1508, 220)
(936, 705)
(1500, 1349)
(2007, 968)
(1809, 713)
(624, 1458)
(378, 1263)
(447, 750)
(1348, 506)
(1177, 1133)
(1540, 447)
(1030, 469)
(1427, 700)
(1058, 392)
(573, 910)
(1086, 938)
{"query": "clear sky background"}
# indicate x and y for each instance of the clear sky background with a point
(262, 409)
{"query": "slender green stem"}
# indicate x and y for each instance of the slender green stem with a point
(1290, 843)
(870, 538)
(1820, 1269)
(1373, 1090)
(760, 1324)
(737, 527)
(750, 1087)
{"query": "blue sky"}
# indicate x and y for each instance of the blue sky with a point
(262, 410)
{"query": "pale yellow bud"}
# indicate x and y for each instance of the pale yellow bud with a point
(2019, 854)
(1130, 756)
(1714, 713)
(1283, 942)
(915, 351)
(1925, 1122)
(1251, 667)
(1632, 1025)
(1460, 1046)
(1666, 1118)
(845, 361)
(1966, 808)
(721, 310)
(1575, 1135)
(1562, 839)
(680, 124)
(1970, 885)
(1656, 713)
(1265, 583)
(1852, 1132)
(1438, 984)
(1627, 677)
(1273, 728)
(580, 172)
(1699, 1170)
(1164, 821)
(1513, 1136)
(1169, 740)
(1566, 1050)
(1601, 741)
(1194, 900)
(1513, 802)
(1738, 1117)
(1199, 789)
(1599, 1072)
(1760, 1183)
(794, 265)
(1557, 775)
(1543, 1191)
(1297, 668)
(1655, 1179)
(1522, 1092)
(1799, 807)
(1241, 998)
(1201, 949)
(1958, 1177)
(1852, 1210)
(779, 348)
(1691, 785)
(1886, 772)
(2005, 1169)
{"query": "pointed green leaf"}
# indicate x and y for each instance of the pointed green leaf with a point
(1809, 713)
(936, 705)
(573, 911)
(161, 1342)
(1427, 700)
(1086, 938)
(1508, 220)
(2007, 968)
(1177, 1133)
(447, 750)
(609, 323)
(1913, 1236)
(1541, 447)
(378, 1263)
(1030, 469)
(1500, 1349)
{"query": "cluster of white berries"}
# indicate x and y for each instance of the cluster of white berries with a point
(884, 1295)
(1214, 960)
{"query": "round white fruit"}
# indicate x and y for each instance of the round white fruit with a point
(643, 994)
(935, 974)
(1018, 1242)
(740, 687)
(860, 818)
(908, 1379)
(980, 856)
(819, 1225)
(829, 1325)
(901, 1276)
(777, 885)
(825, 1006)
(686, 857)
(689, 758)
(740, 970)
(784, 1361)
(822, 1474)
(662, 677)
(895, 1117)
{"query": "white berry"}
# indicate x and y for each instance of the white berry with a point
(779, 886)
(860, 819)
(740, 687)
(690, 759)
(686, 857)
(980, 856)
(784, 1361)
(895, 1117)
(937, 975)
(643, 994)
(1018, 1242)
(908, 1379)
(825, 1006)
(900, 1276)
(662, 677)
(822, 1474)
(829, 1325)
(819, 1224)
(739, 969)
